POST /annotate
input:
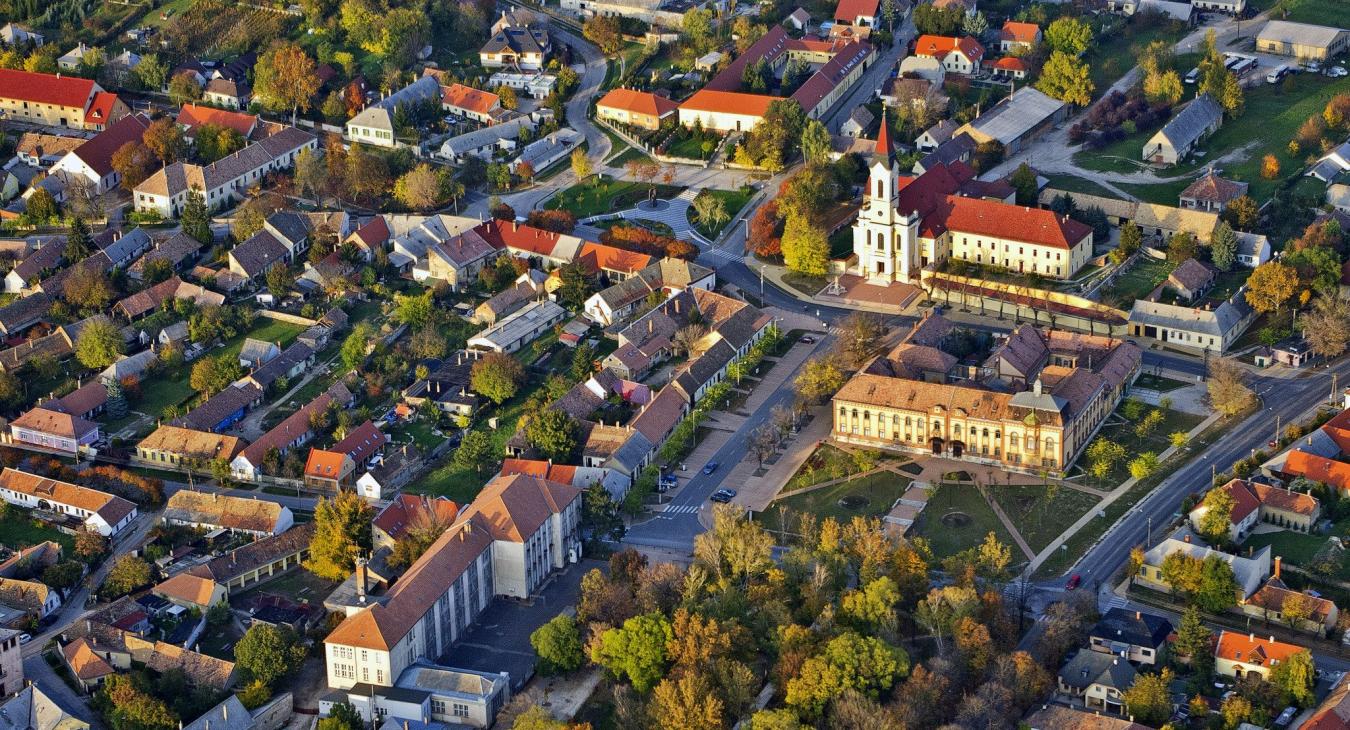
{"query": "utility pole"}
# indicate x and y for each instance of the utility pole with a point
(1276, 440)
(1333, 388)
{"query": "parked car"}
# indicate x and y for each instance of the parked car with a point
(710, 467)
(1073, 582)
(723, 495)
(25, 638)
(808, 339)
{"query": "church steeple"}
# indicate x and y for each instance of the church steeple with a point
(885, 152)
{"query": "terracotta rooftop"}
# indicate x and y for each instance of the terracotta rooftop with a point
(196, 115)
(939, 46)
(1019, 32)
(405, 509)
(55, 422)
(191, 443)
(86, 665)
(638, 102)
(108, 506)
(1253, 650)
(516, 506)
(729, 102)
(39, 88)
(187, 588)
(469, 98)
(259, 553)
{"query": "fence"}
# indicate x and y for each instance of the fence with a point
(1027, 303)
(651, 152)
(285, 317)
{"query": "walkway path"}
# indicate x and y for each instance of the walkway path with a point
(1007, 523)
(673, 212)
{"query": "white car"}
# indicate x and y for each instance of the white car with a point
(25, 638)
(1337, 72)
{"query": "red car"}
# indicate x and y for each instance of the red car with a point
(1073, 582)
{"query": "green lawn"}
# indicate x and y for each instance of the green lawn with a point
(626, 155)
(462, 485)
(21, 530)
(1125, 435)
(1296, 547)
(968, 518)
(1116, 51)
(1078, 185)
(298, 585)
(690, 147)
(879, 491)
(586, 199)
(1317, 12)
(732, 202)
(1159, 383)
(174, 8)
(1042, 513)
(828, 462)
(1143, 277)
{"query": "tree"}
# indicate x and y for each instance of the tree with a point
(1023, 181)
(1069, 35)
(195, 219)
(1235, 711)
(871, 609)
(1326, 326)
(975, 25)
(815, 142)
(763, 237)
(1223, 247)
(818, 378)
(1067, 78)
(99, 344)
(1242, 213)
(41, 206)
(735, 550)
(848, 661)
(165, 139)
(581, 164)
(126, 575)
(422, 188)
(210, 375)
(1150, 698)
(781, 719)
(78, 246)
(496, 376)
(603, 31)
(710, 211)
(1228, 391)
(475, 451)
(553, 434)
(342, 716)
(1144, 466)
(90, 546)
(636, 651)
(152, 71)
(1271, 285)
(697, 26)
(558, 644)
(1217, 519)
(1103, 455)
(341, 533)
(940, 611)
(63, 575)
(686, 702)
(184, 89)
(576, 286)
(1270, 167)
(279, 280)
(1163, 87)
(1194, 640)
(938, 21)
(354, 348)
(134, 162)
(1296, 677)
(806, 249)
(133, 707)
(284, 78)
(1296, 608)
(267, 653)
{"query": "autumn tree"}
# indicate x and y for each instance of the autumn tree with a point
(686, 702)
(98, 345)
(763, 237)
(806, 249)
(184, 89)
(341, 534)
(819, 377)
(816, 145)
(603, 31)
(1270, 167)
(635, 651)
(284, 78)
(1215, 522)
(1067, 78)
(1242, 213)
(943, 608)
(422, 188)
(134, 162)
(1227, 387)
(210, 375)
(1326, 326)
(1296, 677)
(861, 337)
(215, 141)
(496, 376)
(1150, 698)
(1069, 35)
(267, 653)
(581, 165)
(1271, 285)
(558, 644)
(425, 527)
(553, 434)
(126, 575)
(165, 139)
(848, 661)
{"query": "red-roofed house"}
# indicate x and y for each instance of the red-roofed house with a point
(616, 263)
(529, 242)
(406, 510)
(958, 55)
(91, 163)
(636, 108)
(1239, 655)
(725, 111)
(57, 101)
(335, 467)
(193, 116)
(371, 237)
(858, 12)
(1009, 67)
(53, 429)
(469, 102)
(1018, 35)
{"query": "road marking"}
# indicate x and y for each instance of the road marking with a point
(680, 510)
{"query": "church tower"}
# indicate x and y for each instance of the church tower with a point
(880, 242)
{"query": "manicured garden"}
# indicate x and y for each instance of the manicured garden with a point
(732, 203)
(1042, 512)
(869, 496)
(22, 530)
(1143, 277)
(604, 195)
(957, 518)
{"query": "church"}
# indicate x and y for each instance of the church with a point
(908, 223)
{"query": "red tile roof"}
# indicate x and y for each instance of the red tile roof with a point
(400, 513)
(1010, 63)
(848, 10)
(939, 46)
(729, 102)
(1253, 650)
(101, 108)
(1338, 429)
(469, 98)
(374, 233)
(363, 442)
(541, 469)
(67, 91)
(509, 234)
(1019, 32)
(97, 153)
(1015, 222)
(516, 506)
(596, 257)
(638, 102)
(324, 464)
(194, 115)
(1318, 469)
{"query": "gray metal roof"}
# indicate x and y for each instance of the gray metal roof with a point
(471, 142)
(380, 115)
(1017, 115)
(1191, 123)
(1301, 34)
(1217, 322)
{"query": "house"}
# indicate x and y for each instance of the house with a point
(724, 111)
(1231, 7)
(153, 298)
(936, 135)
(100, 512)
(470, 103)
(222, 410)
(1303, 41)
(535, 85)
(255, 353)
(543, 153)
(44, 150)
(1099, 680)
(1256, 503)
(54, 100)
(641, 109)
(447, 387)
(1250, 572)
(48, 428)
(180, 250)
(1059, 717)
(90, 164)
(291, 433)
(31, 560)
(1017, 120)
(336, 467)
(958, 55)
(86, 665)
(122, 650)
(131, 366)
(1268, 604)
(225, 181)
(13, 34)
(581, 477)
(11, 667)
(227, 93)
(1212, 193)
(372, 236)
(482, 555)
(458, 260)
(1156, 222)
(47, 255)
(1191, 280)
(211, 510)
(1334, 711)
(866, 13)
(411, 235)
(406, 510)
(259, 560)
(799, 19)
(86, 401)
(509, 300)
(194, 116)
(1139, 637)
(666, 276)
(1239, 655)
(1178, 138)
(1015, 36)
(1192, 328)
(1010, 67)
(544, 249)
(483, 143)
(522, 47)
(24, 312)
(857, 122)
(191, 591)
(519, 328)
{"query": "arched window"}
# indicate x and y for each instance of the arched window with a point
(1049, 446)
(879, 185)
(1013, 441)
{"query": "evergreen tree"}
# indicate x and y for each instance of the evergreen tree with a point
(77, 241)
(117, 401)
(1223, 247)
(196, 221)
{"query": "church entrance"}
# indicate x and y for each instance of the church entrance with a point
(936, 443)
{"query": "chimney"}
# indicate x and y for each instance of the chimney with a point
(225, 712)
(1251, 636)
(1272, 638)
(361, 579)
(1187, 538)
(1138, 615)
(1276, 574)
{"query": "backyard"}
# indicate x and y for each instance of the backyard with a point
(957, 518)
(603, 195)
(22, 530)
(1042, 512)
(1301, 11)
(298, 586)
(1143, 277)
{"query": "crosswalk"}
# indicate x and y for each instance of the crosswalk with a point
(687, 509)
(721, 254)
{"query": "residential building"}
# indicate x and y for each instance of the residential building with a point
(551, 149)
(1179, 137)
(1231, 7)
(1010, 67)
(374, 125)
(1098, 680)
(1156, 222)
(405, 511)
(1018, 36)
(529, 287)
(1334, 711)
(866, 13)
(100, 512)
(1250, 572)
(1200, 328)
(1240, 655)
(1268, 604)
(1137, 636)
(13, 34)
(470, 103)
(525, 48)
(289, 365)
(149, 300)
(225, 181)
(1330, 166)
(483, 143)
(909, 222)
(58, 101)
(664, 277)
(535, 526)
(227, 93)
(1303, 41)
(176, 446)
(260, 560)
(641, 109)
(193, 116)
(519, 328)
(1018, 120)
(535, 85)
(293, 432)
(337, 467)
(55, 430)
(447, 388)
(457, 260)
(1212, 193)
(179, 249)
(725, 111)
(1256, 503)
(121, 650)
(958, 55)
(90, 165)
(44, 150)
(1059, 717)
(212, 510)
(11, 665)
(222, 410)
(1039, 399)
(192, 591)
(581, 477)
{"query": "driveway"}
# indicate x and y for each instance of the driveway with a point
(35, 670)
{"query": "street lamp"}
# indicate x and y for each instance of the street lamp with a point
(761, 283)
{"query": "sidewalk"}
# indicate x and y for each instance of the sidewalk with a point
(774, 273)
(757, 493)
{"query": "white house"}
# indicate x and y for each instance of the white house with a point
(91, 162)
(224, 181)
(104, 513)
(374, 125)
